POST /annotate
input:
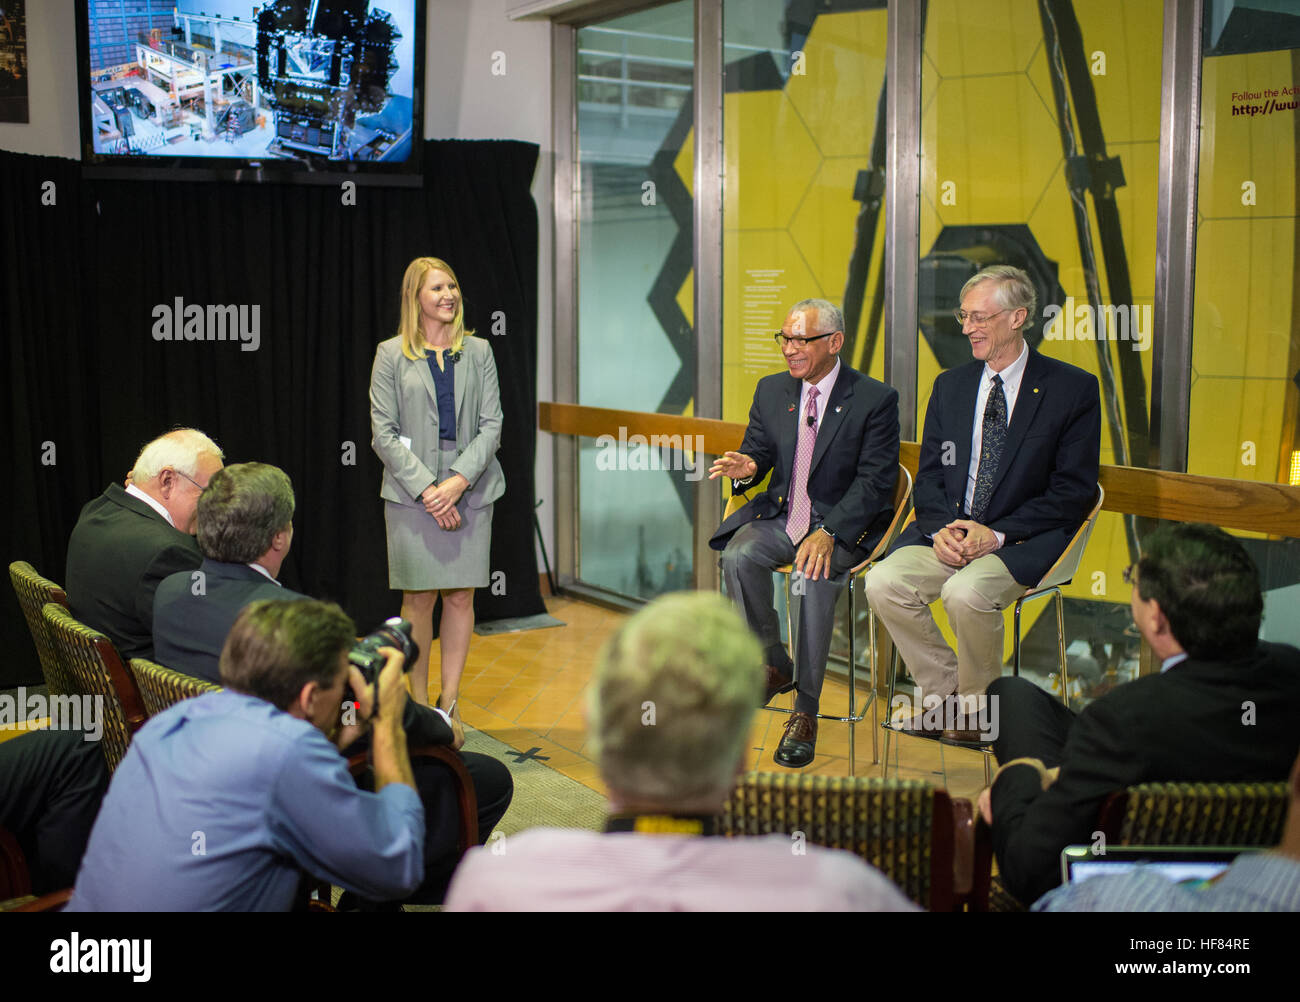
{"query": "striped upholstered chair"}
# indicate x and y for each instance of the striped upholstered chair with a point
(161, 687)
(1196, 814)
(94, 668)
(918, 836)
(33, 592)
(1200, 814)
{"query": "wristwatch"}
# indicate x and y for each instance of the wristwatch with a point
(828, 532)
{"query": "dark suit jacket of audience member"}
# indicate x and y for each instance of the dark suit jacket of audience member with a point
(1201, 721)
(190, 629)
(119, 551)
(1047, 479)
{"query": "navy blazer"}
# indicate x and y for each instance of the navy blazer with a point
(192, 616)
(854, 464)
(1182, 726)
(119, 551)
(191, 624)
(1047, 481)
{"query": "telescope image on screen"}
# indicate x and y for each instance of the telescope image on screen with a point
(309, 83)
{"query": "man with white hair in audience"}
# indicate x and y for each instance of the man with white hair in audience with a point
(669, 713)
(128, 539)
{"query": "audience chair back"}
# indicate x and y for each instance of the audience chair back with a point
(161, 687)
(916, 835)
(1196, 814)
(33, 592)
(96, 669)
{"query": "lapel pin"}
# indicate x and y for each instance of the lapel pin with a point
(792, 408)
(838, 409)
(1035, 389)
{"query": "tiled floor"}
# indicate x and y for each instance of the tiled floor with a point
(529, 690)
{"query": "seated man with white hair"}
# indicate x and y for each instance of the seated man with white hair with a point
(127, 540)
(669, 713)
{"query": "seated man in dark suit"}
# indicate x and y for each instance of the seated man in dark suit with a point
(128, 540)
(245, 528)
(829, 436)
(1007, 474)
(1224, 708)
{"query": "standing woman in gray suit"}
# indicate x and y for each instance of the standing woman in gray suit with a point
(435, 415)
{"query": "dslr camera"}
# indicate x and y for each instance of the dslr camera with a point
(395, 633)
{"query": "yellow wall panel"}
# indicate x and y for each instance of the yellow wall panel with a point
(839, 91)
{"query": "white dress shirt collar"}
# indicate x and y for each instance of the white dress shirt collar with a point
(267, 574)
(135, 492)
(824, 388)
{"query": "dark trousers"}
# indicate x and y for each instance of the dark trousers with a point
(493, 788)
(51, 786)
(751, 555)
(436, 785)
(1032, 723)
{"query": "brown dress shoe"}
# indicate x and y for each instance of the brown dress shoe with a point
(777, 683)
(800, 742)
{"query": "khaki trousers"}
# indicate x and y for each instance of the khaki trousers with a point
(900, 590)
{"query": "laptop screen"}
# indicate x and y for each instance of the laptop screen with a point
(1190, 865)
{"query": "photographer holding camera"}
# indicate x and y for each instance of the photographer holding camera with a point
(244, 521)
(222, 800)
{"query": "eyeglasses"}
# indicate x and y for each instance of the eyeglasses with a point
(978, 319)
(783, 339)
(190, 479)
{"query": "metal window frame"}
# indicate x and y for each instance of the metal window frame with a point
(1176, 207)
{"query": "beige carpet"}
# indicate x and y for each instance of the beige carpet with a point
(543, 797)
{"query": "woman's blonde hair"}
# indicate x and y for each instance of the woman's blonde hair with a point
(408, 327)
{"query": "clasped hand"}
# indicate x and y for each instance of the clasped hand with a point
(440, 500)
(961, 541)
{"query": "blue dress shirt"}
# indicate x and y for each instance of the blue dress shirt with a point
(1255, 882)
(222, 798)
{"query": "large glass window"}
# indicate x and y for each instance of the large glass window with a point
(1040, 147)
(1246, 325)
(635, 338)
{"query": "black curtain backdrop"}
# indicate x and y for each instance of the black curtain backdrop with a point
(89, 385)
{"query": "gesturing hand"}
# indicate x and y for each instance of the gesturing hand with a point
(735, 465)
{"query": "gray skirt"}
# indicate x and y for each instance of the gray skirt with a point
(422, 556)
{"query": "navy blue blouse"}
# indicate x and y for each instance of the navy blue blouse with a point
(444, 382)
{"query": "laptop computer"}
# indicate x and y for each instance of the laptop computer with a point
(1180, 864)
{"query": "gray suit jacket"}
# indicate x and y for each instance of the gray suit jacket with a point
(404, 404)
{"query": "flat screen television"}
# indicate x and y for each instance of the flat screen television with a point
(312, 91)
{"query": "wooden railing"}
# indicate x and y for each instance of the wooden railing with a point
(1179, 497)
